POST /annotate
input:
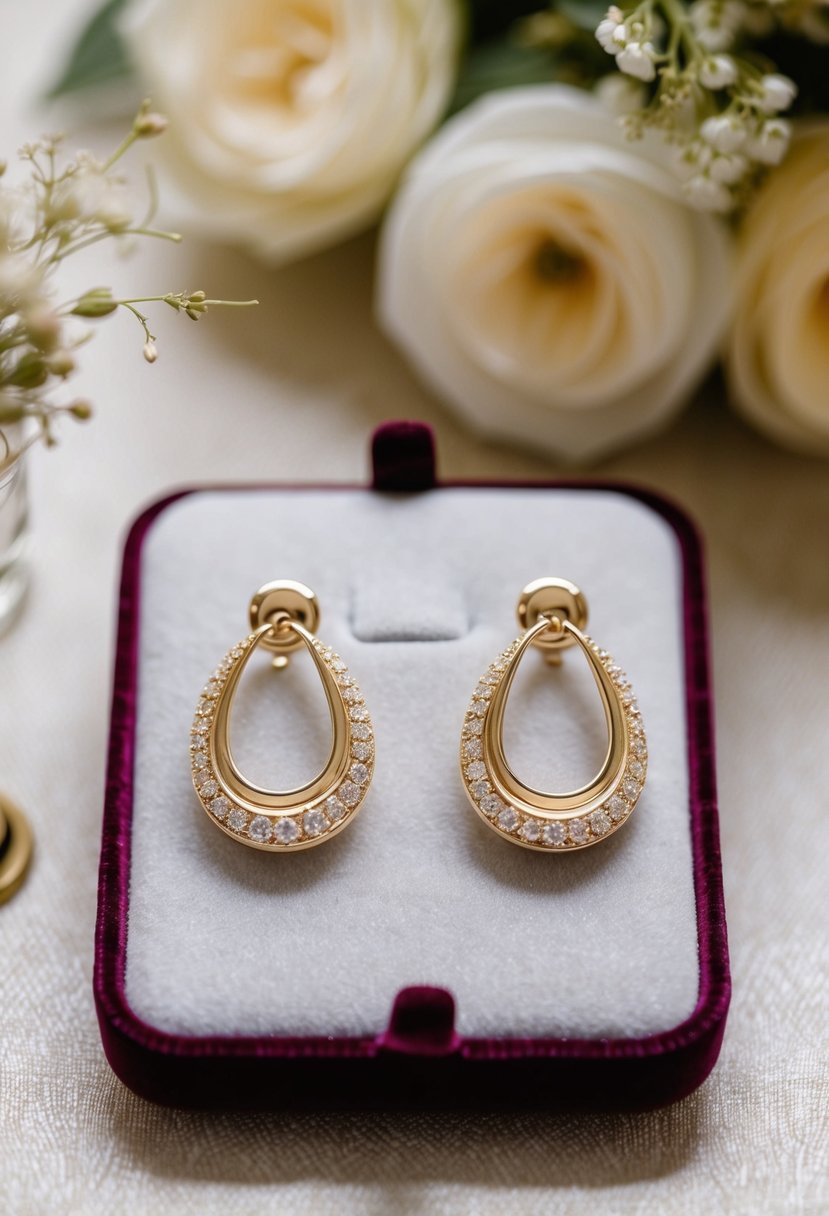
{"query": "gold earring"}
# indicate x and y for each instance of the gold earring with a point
(553, 613)
(283, 617)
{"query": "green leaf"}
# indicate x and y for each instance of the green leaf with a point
(501, 65)
(99, 55)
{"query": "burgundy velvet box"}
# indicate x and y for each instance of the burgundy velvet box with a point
(418, 1059)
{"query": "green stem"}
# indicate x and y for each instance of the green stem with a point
(123, 147)
(126, 304)
(166, 298)
(152, 196)
(231, 303)
(681, 32)
(102, 236)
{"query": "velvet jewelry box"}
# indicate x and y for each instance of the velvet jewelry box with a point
(416, 960)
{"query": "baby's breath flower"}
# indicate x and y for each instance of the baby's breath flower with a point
(63, 209)
(776, 93)
(707, 194)
(692, 158)
(61, 363)
(769, 142)
(725, 132)
(92, 195)
(715, 22)
(98, 302)
(30, 371)
(606, 29)
(637, 59)
(21, 283)
(728, 169)
(43, 326)
(195, 305)
(147, 126)
(715, 107)
(718, 72)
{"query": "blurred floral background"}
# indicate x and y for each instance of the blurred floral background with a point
(583, 209)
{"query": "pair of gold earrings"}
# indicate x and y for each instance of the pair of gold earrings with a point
(283, 618)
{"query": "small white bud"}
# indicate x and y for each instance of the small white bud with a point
(715, 38)
(637, 60)
(621, 37)
(43, 327)
(114, 215)
(607, 27)
(778, 93)
(61, 363)
(730, 13)
(708, 195)
(718, 72)
(770, 142)
(146, 126)
(723, 133)
(690, 160)
(715, 24)
(150, 352)
(728, 169)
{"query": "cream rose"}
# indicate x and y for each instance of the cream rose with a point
(543, 275)
(778, 361)
(292, 119)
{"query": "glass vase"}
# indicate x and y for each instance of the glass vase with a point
(14, 528)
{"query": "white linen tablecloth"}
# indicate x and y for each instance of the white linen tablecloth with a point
(292, 391)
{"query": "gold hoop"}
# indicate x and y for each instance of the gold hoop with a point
(290, 820)
(521, 814)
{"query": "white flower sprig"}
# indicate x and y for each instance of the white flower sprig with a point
(59, 211)
(720, 110)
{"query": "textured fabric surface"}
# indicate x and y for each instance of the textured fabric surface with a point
(294, 390)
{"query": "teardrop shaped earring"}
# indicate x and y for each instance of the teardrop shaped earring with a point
(283, 617)
(553, 613)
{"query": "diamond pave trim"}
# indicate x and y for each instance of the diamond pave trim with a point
(296, 827)
(561, 833)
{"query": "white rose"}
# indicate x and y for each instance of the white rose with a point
(292, 119)
(778, 359)
(543, 275)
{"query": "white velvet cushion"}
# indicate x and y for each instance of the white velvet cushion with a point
(418, 594)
